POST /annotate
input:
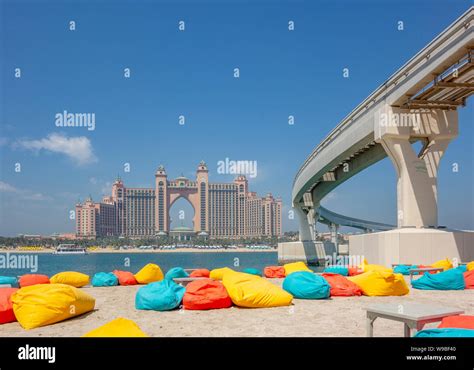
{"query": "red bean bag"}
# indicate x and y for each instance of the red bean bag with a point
(200, 273)
(6, 306)
(125, 277)
(353, 271)
(274, 272)
(341, 286)
(33, 279)
(469, 279)
(424, 267)
(206, 294)
(457, 321)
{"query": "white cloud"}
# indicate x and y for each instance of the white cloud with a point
(79, 148)
(7, 188)
(22, 193)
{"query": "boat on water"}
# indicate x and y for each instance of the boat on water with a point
(70, 249)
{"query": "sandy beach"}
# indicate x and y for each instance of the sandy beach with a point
(338, 316)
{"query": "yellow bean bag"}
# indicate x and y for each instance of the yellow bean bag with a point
(294, 267)
(119, 327)
(470, 266)
(149, 274)
(380, 283)
(45, 304)
(218, 274)
(444, 264)
(252, 291)
(76, 279)
(370, 267)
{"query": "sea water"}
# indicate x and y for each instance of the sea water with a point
(50, 264)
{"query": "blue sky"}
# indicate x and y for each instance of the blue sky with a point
(190, 73)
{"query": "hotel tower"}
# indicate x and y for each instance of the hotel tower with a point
(221, 210)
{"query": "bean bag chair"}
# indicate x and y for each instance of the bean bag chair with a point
(444, 264)
(404, 269)
(469, 279)
(206, 294)
(445, 332)
(452, 279)
(353, 271)
(370, 267)
(252, 271)
(306, 285)
(252, 291)
(176, 272)
(33, 279)
(45, 304)
(274, 272)
(426, 272)
(200, 273)
(218, 274)
(341, 270)
(149, 274)
(9, 280)
(6, 305)
(457, 321)
(102, 279)
(381, 283)
(470, 266)
(341, 286)
(125, 277)
(462, 268)
(119, 327)
(294, 267)
(162, 295)
(75, 279)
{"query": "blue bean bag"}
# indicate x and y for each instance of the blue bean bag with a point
(176, 272)
(452, 279)
(306, 285)
(104, 279)
(252, 271)
(445, 332)
(162, 295)
(404, 269)
(341, 270)
(462, 268)
(8, 280)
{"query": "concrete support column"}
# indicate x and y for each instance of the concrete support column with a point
(305, 230)
(417, 198)
(312, 217)
(334, 229)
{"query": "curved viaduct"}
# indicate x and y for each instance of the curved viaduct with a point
(417, 103)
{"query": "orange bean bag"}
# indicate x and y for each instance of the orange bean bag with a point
(341, 286)
(200, 273)
(457, 321)
(125, 277)
(469, 279)
(353, 271)
(206, 294)
(6, 305)
(274, 272)
(33, 279)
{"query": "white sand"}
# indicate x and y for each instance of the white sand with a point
(338, 316)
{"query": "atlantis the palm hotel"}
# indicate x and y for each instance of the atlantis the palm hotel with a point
(221, 210)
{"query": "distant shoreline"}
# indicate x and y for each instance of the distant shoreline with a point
(136, 250)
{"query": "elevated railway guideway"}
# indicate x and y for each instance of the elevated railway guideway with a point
(417, 103)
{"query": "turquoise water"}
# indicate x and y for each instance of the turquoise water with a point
(50, 264)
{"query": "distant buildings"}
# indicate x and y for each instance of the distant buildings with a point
(221, 210)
